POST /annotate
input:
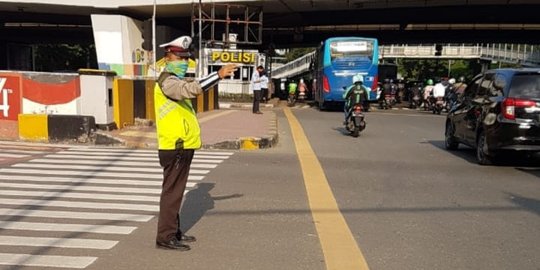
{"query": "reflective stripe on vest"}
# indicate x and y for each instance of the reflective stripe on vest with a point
(175, 120)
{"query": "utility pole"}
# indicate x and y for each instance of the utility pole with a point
(154, 39)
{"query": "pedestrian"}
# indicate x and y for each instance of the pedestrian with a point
(256, 85)
(264, 86)
(178, 135)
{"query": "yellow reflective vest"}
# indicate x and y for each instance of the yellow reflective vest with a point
(175, 120)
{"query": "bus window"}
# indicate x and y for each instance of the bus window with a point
(341, 49)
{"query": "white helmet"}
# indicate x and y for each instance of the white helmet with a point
(452, 81)
(358, 78)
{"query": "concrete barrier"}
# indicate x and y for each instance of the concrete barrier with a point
(56, 128)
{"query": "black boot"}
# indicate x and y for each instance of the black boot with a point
(181, 236)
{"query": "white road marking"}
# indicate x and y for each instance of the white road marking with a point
(46, 260)
(86, 205)
(87, 167)
(83, 174)
(7, 155)
(107, 181)
(59, 227)
(69, 194)
(56, 242)
(86, 188)
(74, 215)
(113, 163)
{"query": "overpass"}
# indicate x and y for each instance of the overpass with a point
(293, 23)
(286, 24)
(525, 55)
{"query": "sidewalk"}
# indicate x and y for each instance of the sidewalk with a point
(220, 129)
(235, 128)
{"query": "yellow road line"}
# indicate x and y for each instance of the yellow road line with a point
(341, 252)
(210, 117)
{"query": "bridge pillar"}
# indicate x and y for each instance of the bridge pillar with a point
(485, 65)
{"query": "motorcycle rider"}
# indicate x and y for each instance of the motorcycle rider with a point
(355, 94)
(292, 91)
(388, 88)
(427, 94)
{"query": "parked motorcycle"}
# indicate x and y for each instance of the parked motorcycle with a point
(355, 122)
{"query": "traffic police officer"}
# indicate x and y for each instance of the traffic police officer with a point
(178, 135)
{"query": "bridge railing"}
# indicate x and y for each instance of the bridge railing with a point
(527, 55)
(295, 67)
(509, 53)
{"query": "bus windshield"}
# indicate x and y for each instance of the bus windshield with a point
(351, 48)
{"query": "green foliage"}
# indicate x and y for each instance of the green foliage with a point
(423, 69)
(64, 57)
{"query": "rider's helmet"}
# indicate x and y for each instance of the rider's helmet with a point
(461, 79)
(358, 78)
(452, 81)
(430, 82)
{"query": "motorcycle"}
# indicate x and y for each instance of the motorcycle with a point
(438, 105)
(302, 96)
(291, 100)
(355, 122)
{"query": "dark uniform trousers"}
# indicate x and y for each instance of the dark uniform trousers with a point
(175, 165)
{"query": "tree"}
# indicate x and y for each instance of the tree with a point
(64, 57)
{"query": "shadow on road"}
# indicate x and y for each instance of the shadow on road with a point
(521, 162)
(532, 205)
(197, 203)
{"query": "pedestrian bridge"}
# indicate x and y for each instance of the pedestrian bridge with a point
(525, 55)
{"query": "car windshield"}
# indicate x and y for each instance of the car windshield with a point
(525, 86)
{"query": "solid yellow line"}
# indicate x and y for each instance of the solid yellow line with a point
(341, 252)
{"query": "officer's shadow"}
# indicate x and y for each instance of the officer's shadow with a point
(197, 202)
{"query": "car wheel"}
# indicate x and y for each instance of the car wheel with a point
(450, 141)
(482, 155)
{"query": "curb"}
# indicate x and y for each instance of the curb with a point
(226, 105)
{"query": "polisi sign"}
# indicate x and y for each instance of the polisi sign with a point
(9, 98)
(233, 57)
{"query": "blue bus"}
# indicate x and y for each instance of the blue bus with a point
(337, 60)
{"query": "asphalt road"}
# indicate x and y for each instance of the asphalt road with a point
(413, 205)
(408, 203)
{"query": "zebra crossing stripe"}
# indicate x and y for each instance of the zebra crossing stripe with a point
(30, 260)
(153, 160)
(96, 171)
(86, 205)
(56, 242)
(69, 194)
(103, 158)
(83, 173)
(106, 181)
(88, 167)
(116, 150)
(113, 163)
(74, 215)
(7, 155)
(132, 155)
(59, 227)
(27, 152)
(86, 188)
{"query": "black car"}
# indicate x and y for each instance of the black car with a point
(498, 111)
